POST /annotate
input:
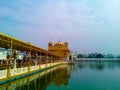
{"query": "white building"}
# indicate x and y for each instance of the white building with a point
(73, 55)
(3, 54)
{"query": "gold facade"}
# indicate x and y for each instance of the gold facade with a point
(60, 48)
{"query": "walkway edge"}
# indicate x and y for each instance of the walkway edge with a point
(6, 80)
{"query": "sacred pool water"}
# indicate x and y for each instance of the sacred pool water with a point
(95, 75)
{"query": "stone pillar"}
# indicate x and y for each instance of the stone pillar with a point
(15, 58)
(57, 58)
(50, 60)
(40, 61)
(9, 63)
(46, 59)
(53, 60)
(36, 59)
(29, 63)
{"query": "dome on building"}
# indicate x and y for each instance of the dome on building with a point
(59, 43)
(66, 42)
(50, 42)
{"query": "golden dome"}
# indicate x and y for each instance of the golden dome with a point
(59, 43)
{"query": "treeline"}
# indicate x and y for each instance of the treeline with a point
(97, 55)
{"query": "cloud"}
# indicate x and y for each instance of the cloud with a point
(85, 24)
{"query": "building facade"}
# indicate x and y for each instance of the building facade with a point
(60, 48)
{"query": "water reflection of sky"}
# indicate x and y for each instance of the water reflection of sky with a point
(96, 76)
(78, 76)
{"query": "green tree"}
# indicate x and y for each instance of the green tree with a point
(79, 56)
(99, 56)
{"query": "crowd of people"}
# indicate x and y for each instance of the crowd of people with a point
(20, 63)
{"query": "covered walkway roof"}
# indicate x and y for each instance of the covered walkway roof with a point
(6, 41)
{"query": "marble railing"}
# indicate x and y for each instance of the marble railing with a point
(22, 70)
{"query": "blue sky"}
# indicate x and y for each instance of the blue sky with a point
(89, 26)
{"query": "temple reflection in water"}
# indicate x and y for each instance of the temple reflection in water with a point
(57, 76)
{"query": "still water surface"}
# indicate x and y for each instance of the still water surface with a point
(78, 76)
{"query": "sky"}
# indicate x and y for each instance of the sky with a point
(88, 25)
